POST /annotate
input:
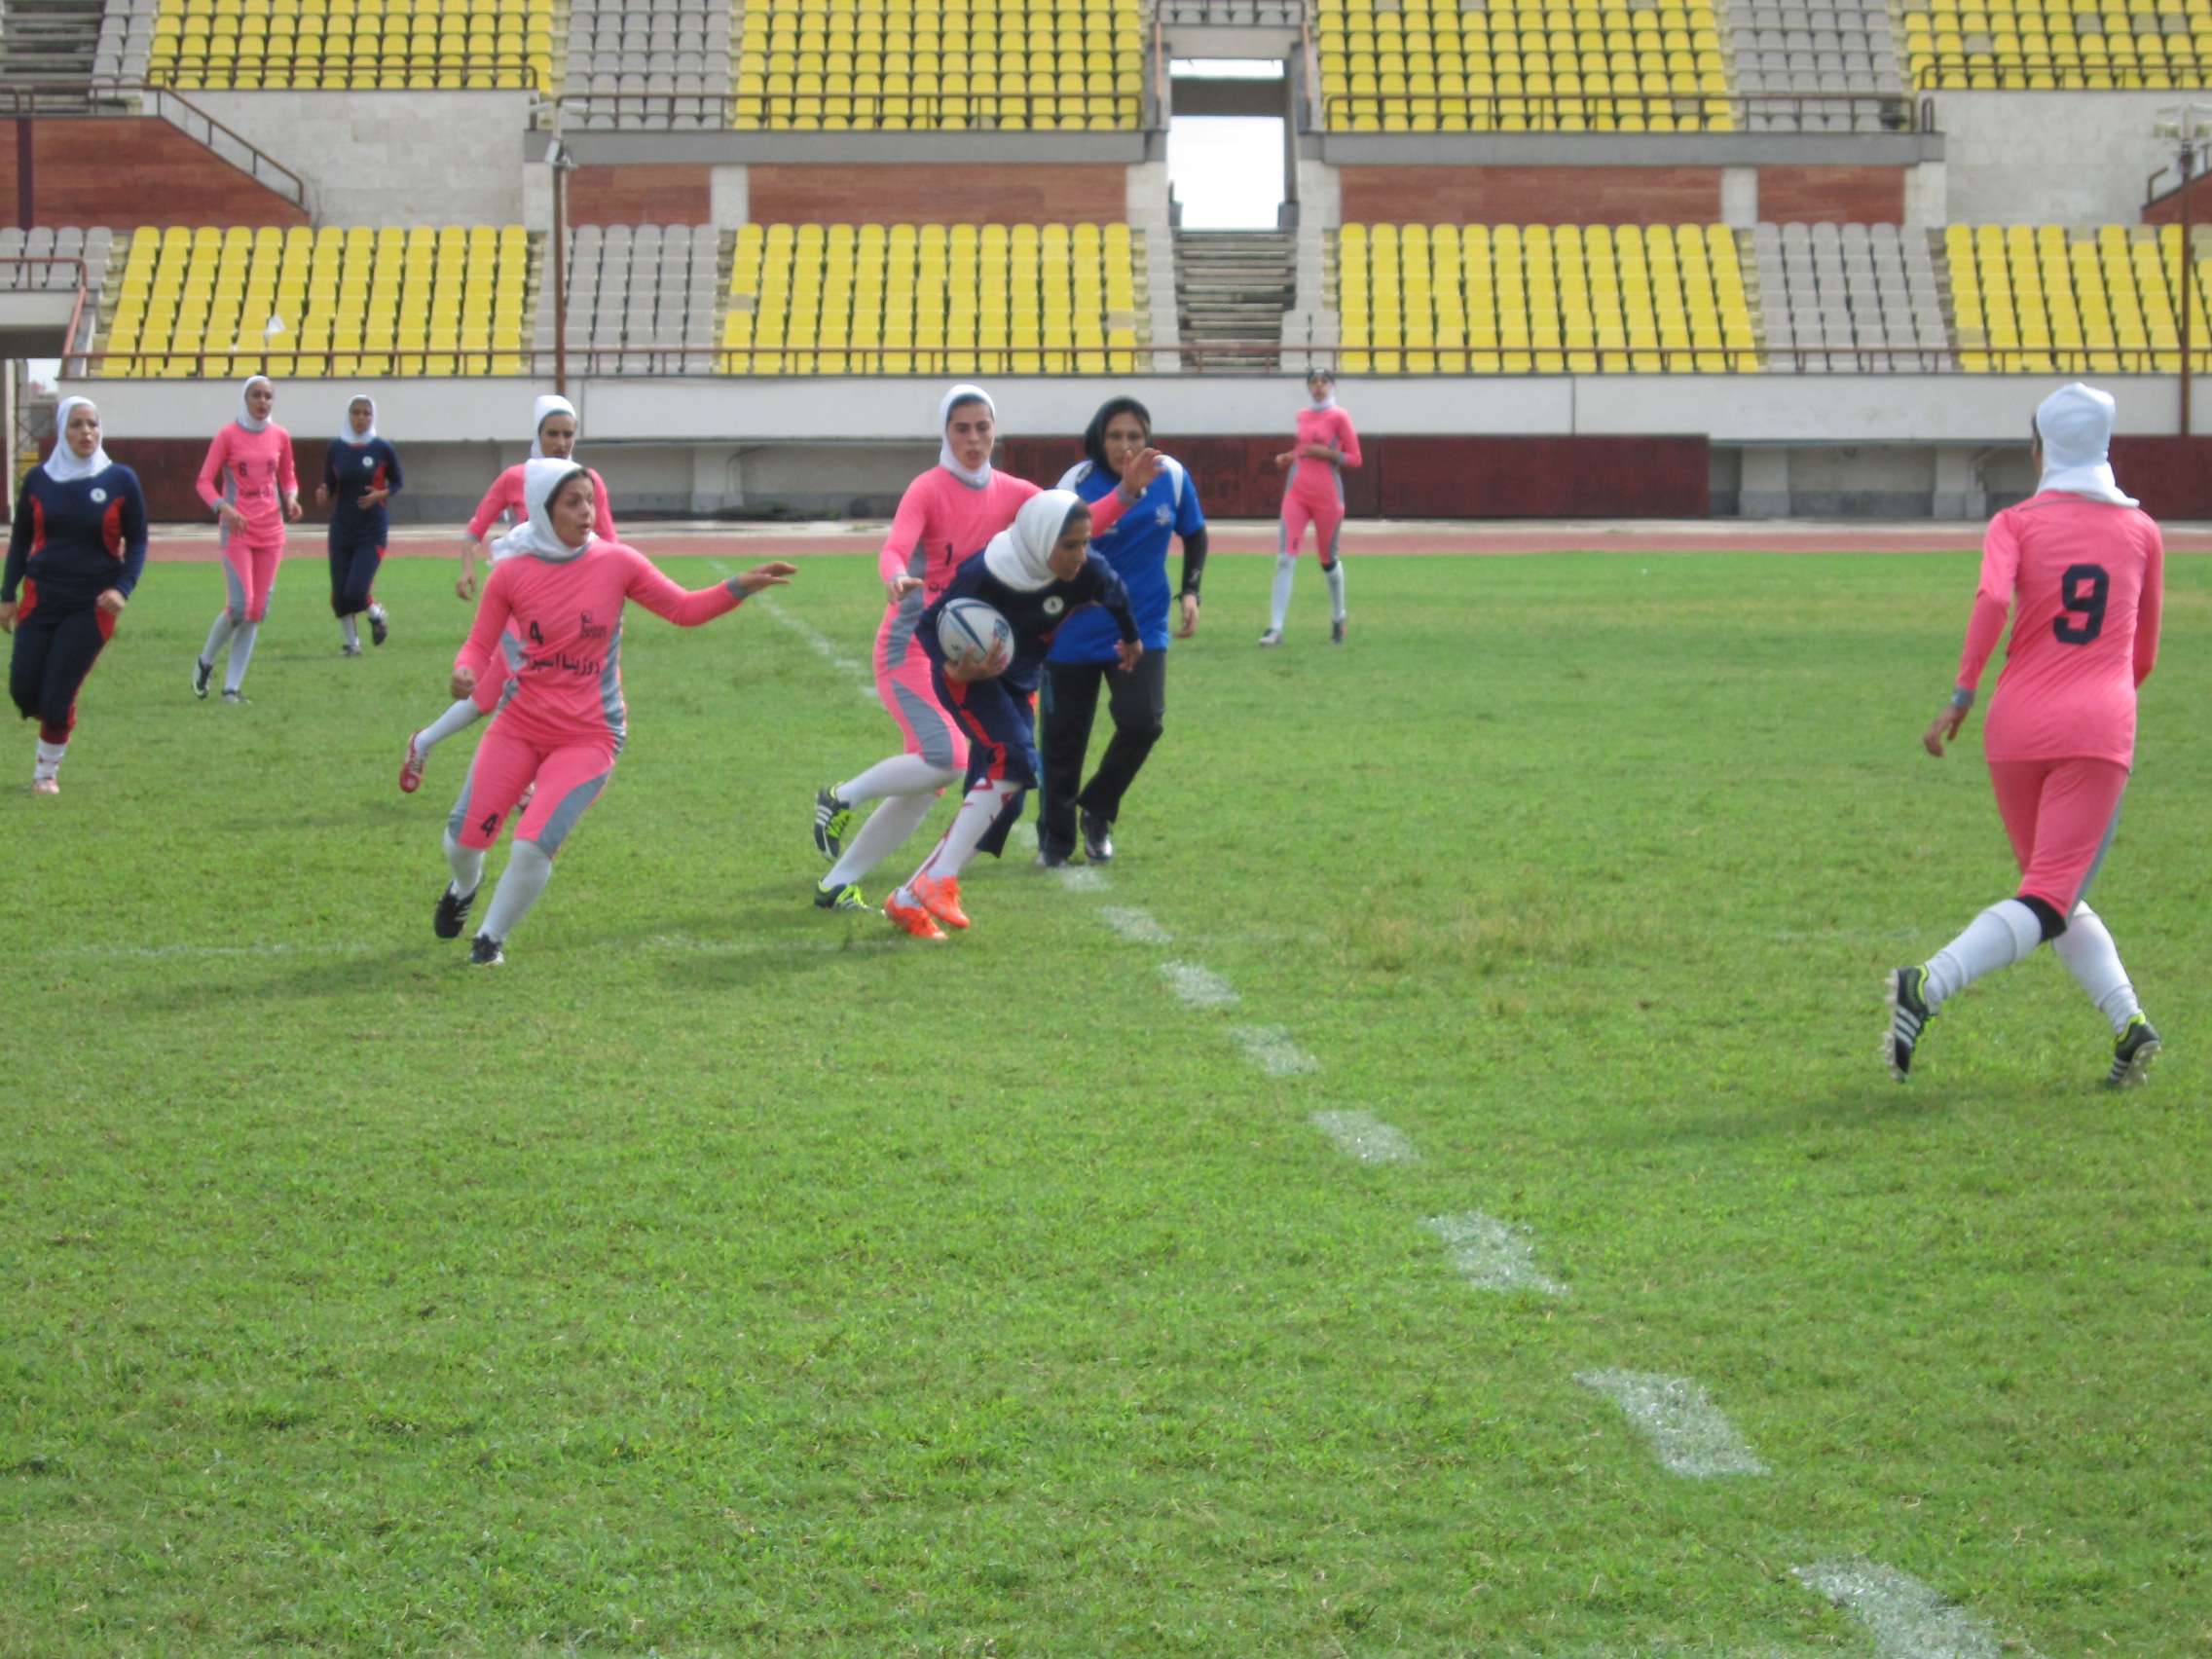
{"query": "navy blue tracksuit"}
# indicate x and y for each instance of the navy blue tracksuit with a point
(70, 544)
(357, 533)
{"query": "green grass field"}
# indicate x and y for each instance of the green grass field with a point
(720, 1277)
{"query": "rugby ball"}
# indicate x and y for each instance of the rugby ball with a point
(969, 625)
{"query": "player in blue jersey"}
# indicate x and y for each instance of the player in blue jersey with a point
(73, 557)
(360, 475)
(1085, 652)
(1036, 574)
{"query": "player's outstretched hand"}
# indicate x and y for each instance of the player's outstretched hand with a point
(1137, 476)
(761, 576)
(898, 587)
(1945, 730)
(1131, 653)
(463, 683)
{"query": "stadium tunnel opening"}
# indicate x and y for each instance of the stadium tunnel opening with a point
(1231, 158)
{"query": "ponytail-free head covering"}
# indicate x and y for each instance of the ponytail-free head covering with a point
(1095, 434)
(345, 432)
(541, 481)
(65, 463)
(550, 405)
(246, 415)
(1022, 556)
(976, 477)
(1328, 399)
(2074, 424)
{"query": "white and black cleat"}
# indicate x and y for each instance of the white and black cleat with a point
(1097, 837)
(451, 914)
(380, 625)
(2132, 1054)
(832, 819)
(483, 952)
(1273, 637)
(202, 673)
(1910, 1014)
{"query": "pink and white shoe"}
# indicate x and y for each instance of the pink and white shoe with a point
(411, 769)
(46, 786)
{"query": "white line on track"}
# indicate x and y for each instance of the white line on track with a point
(1684, 1426)
(1365, 1136)
(821, 643)
(1135, 926)
(1906, 1618)
(1270, 1048)
(1491, 1255)
(1198, 987)
(1081, 878)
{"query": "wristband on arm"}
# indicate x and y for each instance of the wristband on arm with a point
(1962, 697)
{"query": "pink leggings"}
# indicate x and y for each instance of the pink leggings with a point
(568, 776)
(250, 571)
(2060, 815)
(1326, 516)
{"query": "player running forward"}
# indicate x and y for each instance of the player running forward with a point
(2083, 572)
(358, 477)
(1035, 573)
(1314, 495)
(562, 724)
(248, 479)
(554, 439)
(74, 555)
(946, 514)
(1085, 650)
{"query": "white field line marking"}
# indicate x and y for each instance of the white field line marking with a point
(1365, 1136)
(1906, 1618)
(1270, 1048)
(817, 640)
(1198, 987)
(1081, 878)
(1135, 926)
(1490, 1255)
(1684, 1426)
(1025, 833)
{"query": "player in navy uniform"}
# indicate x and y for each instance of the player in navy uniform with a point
(1083, 654)
(360, 475)
(75, 553)
(1035, 575)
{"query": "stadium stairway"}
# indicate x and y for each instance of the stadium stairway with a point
(49, 41)
(1231, 290)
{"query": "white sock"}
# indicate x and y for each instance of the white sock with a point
(459, 718)
(985, 802)
(2091, 956)
(2001, 936)
(1336, 575)
(467, 867)
(1286, 567)
(50, 758)
(527, 872)
(351, 631)
(377, 613)
(895, 818)
(900, 775)
(216, 635)
(241, 653)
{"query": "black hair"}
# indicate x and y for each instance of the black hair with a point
(1095, 434)
(1082, 509)
(1328, 375)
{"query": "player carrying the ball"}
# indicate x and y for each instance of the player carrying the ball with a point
(2081, 571)
(1034, 575)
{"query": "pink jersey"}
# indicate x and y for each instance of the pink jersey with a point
(567, 626)
(505, 496)
(1320, 480)
(943, 518)
(2083, 580)
(252, 471)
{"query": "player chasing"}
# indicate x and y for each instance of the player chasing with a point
(1086, 651)
(554, 600)
(1314, 495)
(359, 476)
(248, 480)
(1034, 575)
(2082, 572)
(946, 514)
(74, 554)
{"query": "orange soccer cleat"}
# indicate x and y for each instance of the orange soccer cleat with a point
(909, 918)
(939, 896)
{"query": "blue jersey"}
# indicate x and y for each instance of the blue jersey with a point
(77, 540)
(1035, 617)
(1136, 546)
(350, 471)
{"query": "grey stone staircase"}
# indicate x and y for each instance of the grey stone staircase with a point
(47, 40)
(1232, 289)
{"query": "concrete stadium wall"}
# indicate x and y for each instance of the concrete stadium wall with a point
(1838, 194)
(2050, 158)
(676, 192)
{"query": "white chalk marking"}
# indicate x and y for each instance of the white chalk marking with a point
(1491, 1255)
(192, 953)
(1025, 833)
(816, 640)
(1906, 1618)
(1365, 1136)
(1684, 1426)
(645, 946)
(1198, 987)
(1081, 878)
(1135, 926)
(1270, 1048)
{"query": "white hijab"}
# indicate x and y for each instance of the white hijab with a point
(550, 405)
(246, 415)
(535, 535)
(1021, 556)
(65, 465)
(2074, 424)
(1319, 403)
(977, 477)
(345, 434)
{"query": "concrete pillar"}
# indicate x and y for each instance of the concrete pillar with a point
(1766, 482)
(729, 192)
(718, 479)
(1959, 493)
(1145, 196)
(1740, 197)
(1320, 195)
(1927, 191)
(536, 196)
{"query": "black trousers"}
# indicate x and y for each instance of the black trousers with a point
(57, 643)
(1067, 705)
(355, 557)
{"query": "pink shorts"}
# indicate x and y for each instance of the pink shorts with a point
(902, 681)
(2060, 815)
(1326, 516)
(568, 776)
(249, 571)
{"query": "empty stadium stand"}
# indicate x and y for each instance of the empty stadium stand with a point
(338, 45)
(1856, 298)
(2146, 43)
(642, 299)
(666, 63)
(2095, 300)
(1787, 50)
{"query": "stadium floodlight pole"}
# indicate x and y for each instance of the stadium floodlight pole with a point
(2185, 123)
(557, 155)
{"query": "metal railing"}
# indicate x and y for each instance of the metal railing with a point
(1552, 111)
(500, 72)
(82, 280)
(2015, 73)
(112, 99)
(865, 112)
